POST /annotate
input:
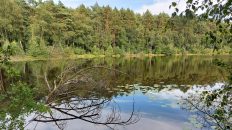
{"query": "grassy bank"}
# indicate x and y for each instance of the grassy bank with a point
(90, 56)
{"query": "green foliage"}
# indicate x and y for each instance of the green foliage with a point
(37, 50)
(33, 27)
(21, 104)
(217, 11)
(96, 51)
(6, 51)
(18, 99)
(16, 49)
(6, 46)
(79, 51)
(212, 107)
(230, 52)
(109, 51)
(68, 51)
(157, 50)
(12, 48)
(168, 50)
(22, 96)
(119, 51)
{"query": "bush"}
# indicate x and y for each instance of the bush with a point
(6, 51)
(96, 51)
(230, 51)
(157, 50)
(224, 50)
(207, 51)
(168, 50)
(196, 50)
(16, 49)
(79, 51)
(68, 51)
(109, 51)
(5, 45)
(12, 48)
(38, 50)
(119, 51)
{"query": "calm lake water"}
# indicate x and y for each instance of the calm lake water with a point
(150, 92)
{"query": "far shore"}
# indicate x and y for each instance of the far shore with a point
(90, 56)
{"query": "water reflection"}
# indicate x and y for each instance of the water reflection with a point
(167, 70)
(77, 94)
(71, 97)
(209, 113)
(212, 106)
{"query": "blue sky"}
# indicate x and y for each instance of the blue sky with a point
(139, 6)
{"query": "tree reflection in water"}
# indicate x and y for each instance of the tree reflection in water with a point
(69, 98)
(209, 112)
(57, 95)
(212, 108)
(75, 94)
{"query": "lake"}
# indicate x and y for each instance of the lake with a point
(115, 93)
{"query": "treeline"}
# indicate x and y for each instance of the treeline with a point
(38, 28)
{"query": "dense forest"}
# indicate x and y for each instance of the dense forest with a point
(43, 28)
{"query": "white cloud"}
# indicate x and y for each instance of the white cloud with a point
(160, 6)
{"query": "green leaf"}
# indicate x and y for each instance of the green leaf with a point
(193, 7)
(177, 10)
(189, 1)
(174, 4)
(174, 14)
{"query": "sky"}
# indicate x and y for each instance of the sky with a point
(139, 6)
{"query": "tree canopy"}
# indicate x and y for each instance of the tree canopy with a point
(45, 27)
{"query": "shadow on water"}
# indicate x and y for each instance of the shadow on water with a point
(55, 92)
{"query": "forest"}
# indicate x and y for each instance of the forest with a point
(47, 28)
(178, 92)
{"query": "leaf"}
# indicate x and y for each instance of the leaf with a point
(174, 14)
(177, 10)
(202, 8)
(189, 1)
(174, 4)
(193, 7)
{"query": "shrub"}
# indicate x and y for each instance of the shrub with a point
(68, 51)
(6, 51)
(168, 50)
(157, 50)
(196, 50)
(16, 49)
(119, 51)
(12, 48)
(96, 51)
(38, 50)
(79, 51)
(6, 45)
(230, 51)
(109, 51)
(224, 50)
(207, 51)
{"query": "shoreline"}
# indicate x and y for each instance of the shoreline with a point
(91, 56)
